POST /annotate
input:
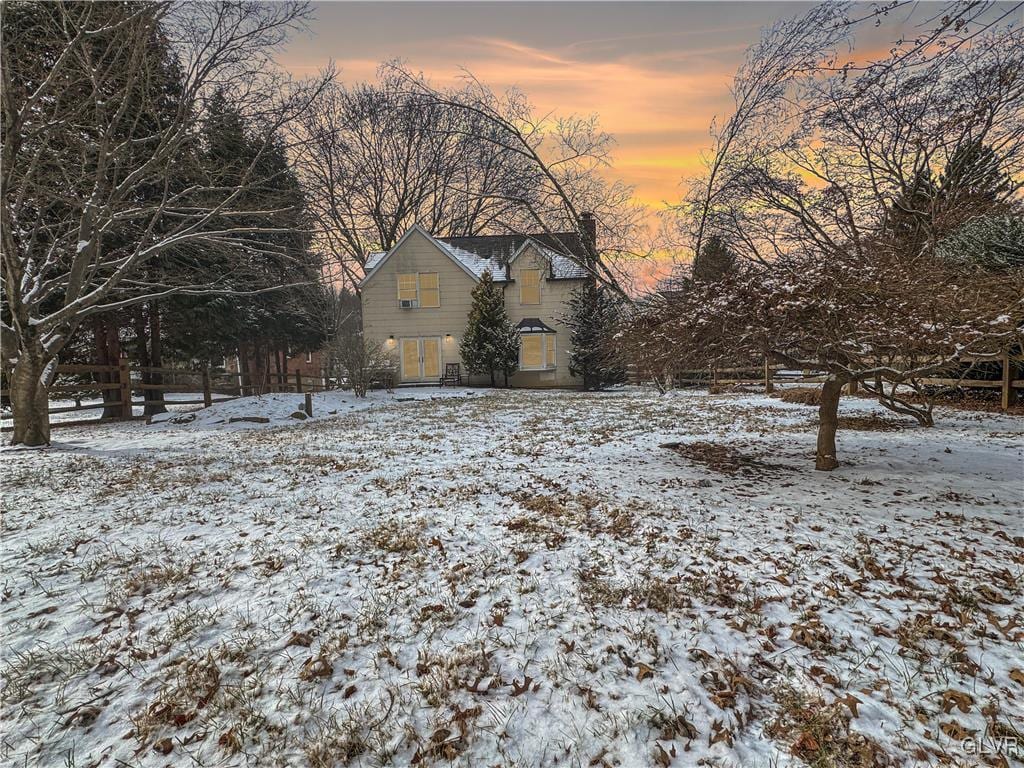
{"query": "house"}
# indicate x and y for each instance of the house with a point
(265, 369)
(416, 299)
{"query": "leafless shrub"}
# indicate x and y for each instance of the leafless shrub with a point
(362, 361)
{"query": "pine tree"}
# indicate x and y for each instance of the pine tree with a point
(991, 242)
(490, 343)
(714, 261)
(594, 315)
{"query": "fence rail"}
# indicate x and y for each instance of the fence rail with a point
(767, 375)
(216, 387)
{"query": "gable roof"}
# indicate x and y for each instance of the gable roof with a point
(562, 267)
(493, 253)
(560, 248)
(468, 262)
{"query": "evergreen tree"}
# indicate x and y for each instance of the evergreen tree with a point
(594, 315)
(973, 179)
(490, 342)
(714, 261)
(278, 321)
(992, 242)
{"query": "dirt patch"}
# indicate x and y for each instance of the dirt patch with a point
(801, 395)
(721, 458)
(871, 423)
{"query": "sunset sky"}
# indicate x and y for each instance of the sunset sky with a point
(655, 73)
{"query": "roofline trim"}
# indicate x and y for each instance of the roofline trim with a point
(416, 227)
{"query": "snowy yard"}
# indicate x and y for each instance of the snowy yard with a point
(515, 578)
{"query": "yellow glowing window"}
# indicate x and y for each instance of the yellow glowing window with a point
(407, 289)
(549, 344)
(430, 295)
(529, 286)
(533, 351)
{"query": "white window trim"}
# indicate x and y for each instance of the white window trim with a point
(545, 338)
(540, 288)
(419, 289)
(398, 286)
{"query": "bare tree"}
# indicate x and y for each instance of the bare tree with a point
(839, 210)
(360, 360)
(88, 196)
(376, 159)
(561, 163)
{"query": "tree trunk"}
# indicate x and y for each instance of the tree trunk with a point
(492, 378)
(156, 354)
(30, 400)
(828, 421)
(108, 352)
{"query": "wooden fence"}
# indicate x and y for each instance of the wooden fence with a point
(767, 375)
(125, 380)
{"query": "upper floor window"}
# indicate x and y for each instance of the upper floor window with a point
(529, 286)
(419, 289)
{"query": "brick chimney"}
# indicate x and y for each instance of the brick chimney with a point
(588, 226)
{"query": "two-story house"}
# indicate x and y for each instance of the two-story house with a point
(416, 299)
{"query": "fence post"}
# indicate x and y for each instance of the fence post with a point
(309, 404)
(769, 385)
(298, 381)
(124, 378)
(207, 394)
(1009, 395)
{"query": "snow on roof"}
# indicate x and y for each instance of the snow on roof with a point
(373, 260)
(562, 267)
(474, 263)
(489, 253)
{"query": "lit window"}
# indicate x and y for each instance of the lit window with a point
(529, 286)
(309, 357)
(537, 351)
(419, 289)
(408, 290)
(430, 295)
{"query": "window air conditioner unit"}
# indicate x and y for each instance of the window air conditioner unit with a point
(407, 303)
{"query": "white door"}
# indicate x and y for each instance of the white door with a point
(421, 358)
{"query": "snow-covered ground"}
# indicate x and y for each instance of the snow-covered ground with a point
(92, 414)
(515, 578)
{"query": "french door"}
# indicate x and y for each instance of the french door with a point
(421, 358)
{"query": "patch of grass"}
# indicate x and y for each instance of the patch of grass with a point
(196, 682)
(397, 538)
(42, 666)
(820, 734)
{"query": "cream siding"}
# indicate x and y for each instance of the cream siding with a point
(553, 307)
(383, 318)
